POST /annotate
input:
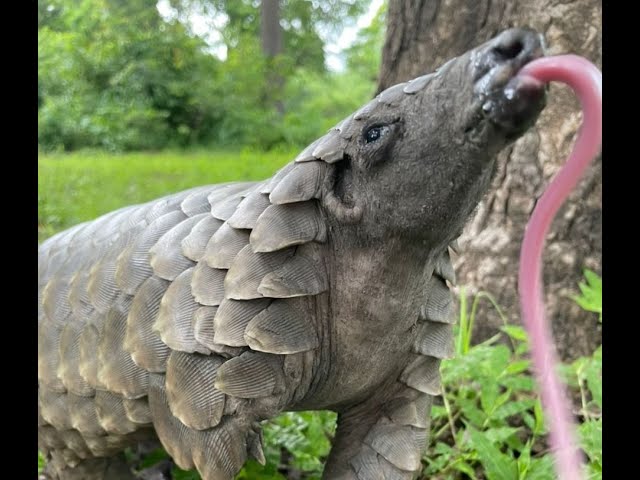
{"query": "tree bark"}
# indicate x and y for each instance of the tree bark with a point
(270, 31)
(271, 40)
(423, 34)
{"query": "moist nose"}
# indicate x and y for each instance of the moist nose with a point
(517, 46)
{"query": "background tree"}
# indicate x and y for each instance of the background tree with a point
(271, 40)
(306, 25)
(421, 35)
(271, 32)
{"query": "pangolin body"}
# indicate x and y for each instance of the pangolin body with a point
(192, 318)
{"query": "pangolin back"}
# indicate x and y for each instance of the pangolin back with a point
(171, 315)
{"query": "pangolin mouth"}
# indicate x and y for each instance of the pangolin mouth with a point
(511, 102)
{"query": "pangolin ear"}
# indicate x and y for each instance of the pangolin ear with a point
(321, 171)
(338, 196)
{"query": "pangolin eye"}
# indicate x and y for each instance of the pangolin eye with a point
(375, 133)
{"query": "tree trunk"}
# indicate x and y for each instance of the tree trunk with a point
(271, 40)
(270, 31)
(421, 35)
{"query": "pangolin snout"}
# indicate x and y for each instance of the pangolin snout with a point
(509, 101)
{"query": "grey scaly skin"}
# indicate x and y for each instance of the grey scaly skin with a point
(194, 317)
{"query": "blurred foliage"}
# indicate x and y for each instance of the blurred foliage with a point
(364, 55)
(41, 462)
(306, 24)
(115, 75)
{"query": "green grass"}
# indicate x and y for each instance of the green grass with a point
(489, 423)
(73, 188)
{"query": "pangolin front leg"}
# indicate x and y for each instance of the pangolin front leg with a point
(381, 441)
(385, 436)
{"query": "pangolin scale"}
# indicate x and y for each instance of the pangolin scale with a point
(194, 317)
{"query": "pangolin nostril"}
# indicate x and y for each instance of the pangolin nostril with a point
(508, 51)
(504, 56)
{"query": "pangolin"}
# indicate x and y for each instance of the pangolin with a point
(192, 318)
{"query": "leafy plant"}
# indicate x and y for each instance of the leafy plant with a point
(41, 462)
(585, 375)
(590, 298)
(295, 443)
(490, 424)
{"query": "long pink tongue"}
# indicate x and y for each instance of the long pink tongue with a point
(586, 80)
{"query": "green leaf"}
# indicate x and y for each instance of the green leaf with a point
(517, 366)
(569, 373)
(593, 375)
(497, 465)
(438, 411)
(529, 420)
(513, 408)
(590, 298)
(463, 338)
(591, 440)
(593, 279)
(500, 434)
(42, 462)
(524, 460)
(156, 456)
(521, 349)
(593, 471)
(472, 412)
(252, 470)
(442, 448)
(541, 469)
(179, 474)
(304, 435)
(440, 459)
(518, 383)
(499, 401)
(540, 426)
(488, 396)
(514, 443)
(516, 332)
(465, 468)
